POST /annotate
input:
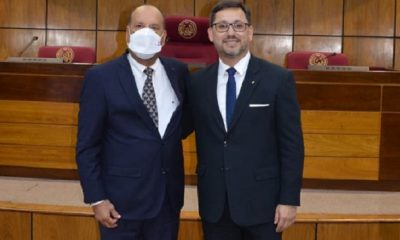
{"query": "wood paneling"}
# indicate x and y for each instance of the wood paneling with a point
(390, 150)
(71, 14)
(271, 16)
(369, 18)
(319, 44)
(50, 227)
(397, 53)
(369, 51)
(14, 41)
(37, 156)
(51, 173)
(341, 122)
(339, 97)
(316, 17)
(203, 7)
(335, 145)
(22, 13)
(44, 69)
(38, 112)
(190, 160)
(38, 134)
(114, 15)
(303, 231)
(15, 225)
(391, 99)
(271, 48)
(341, 168)
(347, 78)
(190, 230)
(189, 144)
(398, 20)
(71, 38)
(40, 88)
(358, 231)
(110, 45)
(174, 7)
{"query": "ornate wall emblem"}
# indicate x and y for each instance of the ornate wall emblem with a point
(66, 53)
(187, 29)
(318, 59)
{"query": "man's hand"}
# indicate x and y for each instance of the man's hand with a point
(106, 214)
(285, 216)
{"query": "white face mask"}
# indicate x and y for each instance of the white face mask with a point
(145, 43)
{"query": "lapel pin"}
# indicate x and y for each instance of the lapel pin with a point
(252, 82)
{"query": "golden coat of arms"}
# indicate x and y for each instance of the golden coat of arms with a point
(66, 53)
(187, 29)
(318, 59)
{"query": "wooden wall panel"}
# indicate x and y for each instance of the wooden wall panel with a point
(71, 14)
(397, 53)
(316, 17)
(358, 231)
(335, 145)
(341, 122)
(369, 18)
(38, 112)
(271, 16)
(321, 44)
(38, 135)
(71, 38)
(190, 230)
(398, 20)
(14, 41)
(190, 162)
(110, 45)
(390, 150)
(15, 225)
(22, 13)
(189, 144)
(303, 231)
(203, 7)
(271, 48)
(60, 227)
(174, 7)
(391, 99)
(369, 51)
(37, 156)
(341, 168)
(114, 15)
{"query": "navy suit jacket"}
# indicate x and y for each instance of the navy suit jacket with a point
(258, 162)
(120, 153)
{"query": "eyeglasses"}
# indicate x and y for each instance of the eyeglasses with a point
(224, 27)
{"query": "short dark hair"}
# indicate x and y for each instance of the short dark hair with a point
(221, 5)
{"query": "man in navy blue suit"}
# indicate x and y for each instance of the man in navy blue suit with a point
(248, 135)
(129, 151)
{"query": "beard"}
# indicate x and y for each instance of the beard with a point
(231, 53)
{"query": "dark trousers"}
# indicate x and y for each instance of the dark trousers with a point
(164, 226)
(226, 229)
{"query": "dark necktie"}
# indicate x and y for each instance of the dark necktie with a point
(149, 96)
(230, 95)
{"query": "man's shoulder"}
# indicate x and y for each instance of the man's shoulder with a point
(107, 66)
(266, 65)
(172, 62)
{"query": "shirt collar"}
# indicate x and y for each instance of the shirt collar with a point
(240, 67)
(140, 67)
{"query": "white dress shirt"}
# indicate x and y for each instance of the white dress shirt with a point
(241, 69)
(167, 101)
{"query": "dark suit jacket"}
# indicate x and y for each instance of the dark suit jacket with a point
(120, 154)
(258, 163)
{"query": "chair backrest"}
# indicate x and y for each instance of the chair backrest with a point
(69, 54)
(301, 59)
(187, 40)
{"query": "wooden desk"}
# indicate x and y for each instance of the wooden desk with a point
(351, 124)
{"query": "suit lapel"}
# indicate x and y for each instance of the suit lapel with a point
(212, 81)
(249, 84)
(172, 76)
(127, 81)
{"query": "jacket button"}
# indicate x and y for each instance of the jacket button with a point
(163, 171)
(225, 143)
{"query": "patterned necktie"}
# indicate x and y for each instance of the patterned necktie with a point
(230, 95)
(149, 96)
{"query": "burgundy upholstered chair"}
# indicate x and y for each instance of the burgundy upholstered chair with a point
(187, 40)
(301, 59)
(69, 54)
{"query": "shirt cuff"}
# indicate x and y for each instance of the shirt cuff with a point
(96, 203)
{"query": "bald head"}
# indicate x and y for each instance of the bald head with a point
(147, 15)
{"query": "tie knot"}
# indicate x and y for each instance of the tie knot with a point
(231, 71)
(148, 71)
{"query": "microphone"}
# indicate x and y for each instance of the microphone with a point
(34, 38)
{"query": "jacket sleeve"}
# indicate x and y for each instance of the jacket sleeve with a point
(290, 142)
(91, 122)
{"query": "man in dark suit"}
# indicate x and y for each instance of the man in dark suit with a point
(248, 135)
(129, 151)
